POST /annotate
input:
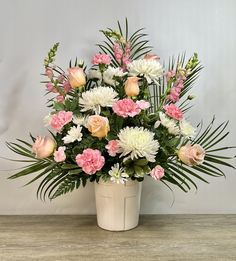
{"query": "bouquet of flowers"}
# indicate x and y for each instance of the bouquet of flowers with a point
(122, 119)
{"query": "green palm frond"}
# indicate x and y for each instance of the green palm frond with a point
(54, 175)
(183, 176)
(138, 42)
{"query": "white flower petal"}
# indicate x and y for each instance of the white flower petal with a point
(73, 134)
(98, 97)
(138, 143)
(150, 69)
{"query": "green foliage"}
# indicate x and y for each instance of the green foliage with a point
(51, 55)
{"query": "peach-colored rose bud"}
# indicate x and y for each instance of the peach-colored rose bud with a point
(43, 147)
(76, 77)
(150, 56)
(98, 126)
(131, 86)
(191, 155)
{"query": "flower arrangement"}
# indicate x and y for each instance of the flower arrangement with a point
(122, 119)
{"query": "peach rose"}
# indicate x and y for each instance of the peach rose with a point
(43, 147)
(76, 77)
(98, 126)
(191, 155)
(131, 86)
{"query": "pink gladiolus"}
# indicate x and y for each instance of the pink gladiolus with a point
(60, 119)
(50, 87)
(90, 161)
(143, 105)
(157, 173)
(60, 98)
(59, 154)
(112, 147)
(173, 111)
(101, 59)
(125, 108)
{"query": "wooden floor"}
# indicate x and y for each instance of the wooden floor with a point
(158, 237)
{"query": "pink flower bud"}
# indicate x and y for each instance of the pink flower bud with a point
(49, 73)
(157, 173)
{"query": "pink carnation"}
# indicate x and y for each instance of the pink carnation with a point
(61, 119)
(101, 59)
(157, 173)
(125, 108)
(173, 111)
(143, 105)
(90, 161)
(112, 147)
(59, 155)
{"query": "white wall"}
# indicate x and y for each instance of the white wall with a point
(28, 28)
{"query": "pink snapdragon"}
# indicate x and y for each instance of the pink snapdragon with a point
(126, 107)
(157, 173)
(176, 90)
(60, 119)
(170, 74)
(90, 161)
(118, 52)
(173, 111)
(67, 87)
(112, 147)
(60, 98)
(59, 154)
(101, 59)
(50, 87)
(143, 105)
(49, 73)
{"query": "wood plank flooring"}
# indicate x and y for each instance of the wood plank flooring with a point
(158, 237)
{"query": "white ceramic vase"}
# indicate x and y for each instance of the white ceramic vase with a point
(118, 205)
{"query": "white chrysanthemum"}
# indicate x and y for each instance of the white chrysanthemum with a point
(117, 174)
(96, 98)
(78, 120)
(94, 74)
(110, 73)
(151, 69)
(138, 143)
(186, 129)
(170, 124)
(73, 134)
